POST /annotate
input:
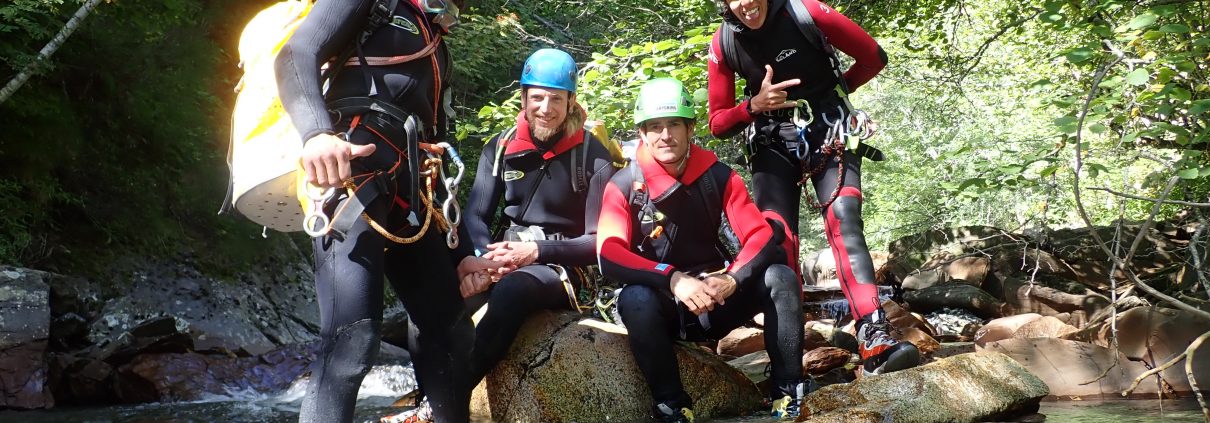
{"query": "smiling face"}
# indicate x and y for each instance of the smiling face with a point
(545, 110)
(668, 138)
(751, 13)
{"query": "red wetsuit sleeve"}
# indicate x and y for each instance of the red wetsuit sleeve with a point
(726, 117)
(758, 249)
(614, 245)
(849, 38)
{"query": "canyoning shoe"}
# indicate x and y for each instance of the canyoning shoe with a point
(880, 353)
(787, 407)
(667, 412)
(421, 414)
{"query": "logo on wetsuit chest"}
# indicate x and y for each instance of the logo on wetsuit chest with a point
(512, 175)
(785, 54)
(404, 24)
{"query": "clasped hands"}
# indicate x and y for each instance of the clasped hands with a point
(476, 274)
(702, 295)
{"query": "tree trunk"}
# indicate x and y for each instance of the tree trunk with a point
(47, 51)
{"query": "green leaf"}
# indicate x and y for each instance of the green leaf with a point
(1097, 128)
(1138, 77)
(1188, 173)
(1049, 170)
(1095, 169)
(1141, 21)
(1175, 29)
(1066, 124)
(975, 182)
(1079, 55)
(1199, 107)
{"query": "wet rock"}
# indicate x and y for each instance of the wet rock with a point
(741, 342)
(80, 380)
(956, 296)
(1074, 369)
(194, 376)
(565, 368)
(24, 334)
(1045, 327)
(1002, 328)
(822, 360)
(954, 323)
(968, 387)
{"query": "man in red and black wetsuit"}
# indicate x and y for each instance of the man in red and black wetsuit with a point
(659, 234)
(548, 173)
(764, 43)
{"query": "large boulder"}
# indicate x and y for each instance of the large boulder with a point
(910, 253)
(24, 333)
(956, 295)
(963, 388)
(562, 367)
(1074, 369)
(250, 316)
(1090, 265)
(1154, 335)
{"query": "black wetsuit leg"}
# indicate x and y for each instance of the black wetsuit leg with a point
(349, 277)
(654, 321)
(775, 186)
(512, 300)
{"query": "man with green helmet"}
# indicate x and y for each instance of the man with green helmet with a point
(659, 235)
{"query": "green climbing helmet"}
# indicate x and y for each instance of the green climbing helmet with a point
(663, 97)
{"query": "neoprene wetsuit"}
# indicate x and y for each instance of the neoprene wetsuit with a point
(776, 171)
(349, 272)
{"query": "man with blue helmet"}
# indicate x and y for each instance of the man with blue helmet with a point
(548, 172)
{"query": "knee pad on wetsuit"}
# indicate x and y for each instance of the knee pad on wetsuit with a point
(847, 211)
(353, 349)
(781, 278)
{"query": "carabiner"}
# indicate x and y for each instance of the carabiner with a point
(316, 223)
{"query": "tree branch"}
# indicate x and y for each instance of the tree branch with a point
(1154, 200)
(54, 44)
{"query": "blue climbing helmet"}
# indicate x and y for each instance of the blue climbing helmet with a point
(550, 68)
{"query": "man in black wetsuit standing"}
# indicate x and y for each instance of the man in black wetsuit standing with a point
(390, 75)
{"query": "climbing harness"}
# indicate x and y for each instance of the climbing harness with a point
(844, 132)
(318, 223)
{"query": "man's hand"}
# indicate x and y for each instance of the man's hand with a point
(518, 254)
(476, 274)
(325, 158)
(771, 96)
(694, 293)
(723, 284)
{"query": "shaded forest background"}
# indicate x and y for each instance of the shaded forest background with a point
(1024, 116)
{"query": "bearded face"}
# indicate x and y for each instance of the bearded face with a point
(545, 110)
